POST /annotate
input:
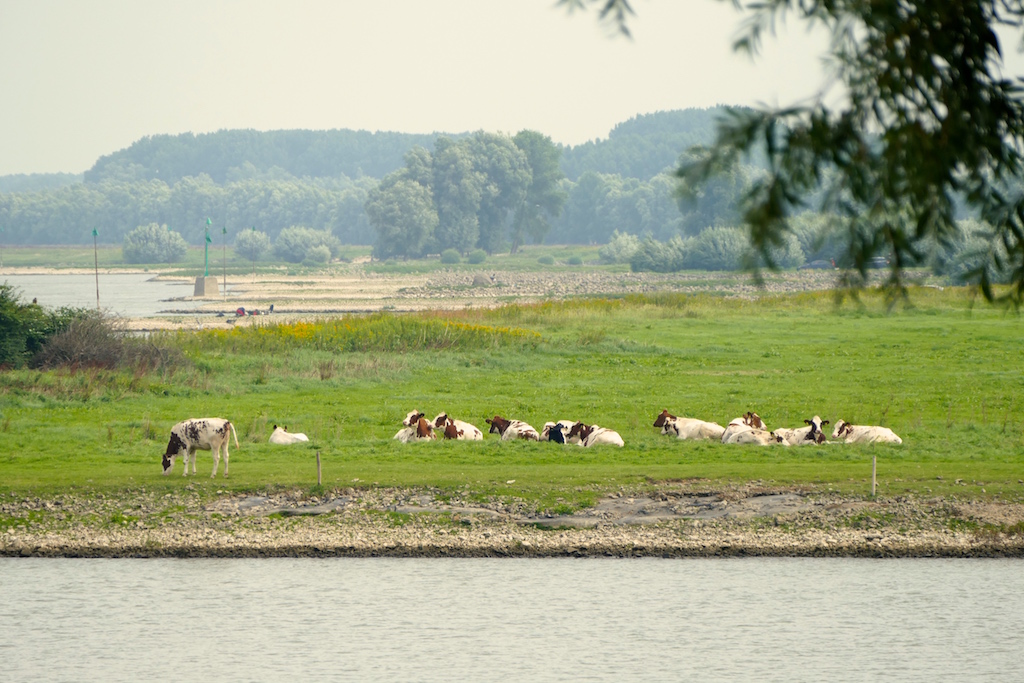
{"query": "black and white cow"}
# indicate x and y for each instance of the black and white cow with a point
(201, 433)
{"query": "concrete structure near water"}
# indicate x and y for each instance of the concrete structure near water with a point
(206, 286)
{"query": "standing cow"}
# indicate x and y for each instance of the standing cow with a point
(202, 433)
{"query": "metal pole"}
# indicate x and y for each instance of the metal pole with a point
(224, 234)
(319, 479)
(96, 267)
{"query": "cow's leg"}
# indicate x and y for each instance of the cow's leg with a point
(215, 450)
(225, 456)
(185, 473)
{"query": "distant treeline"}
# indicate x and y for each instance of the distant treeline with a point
(322, 180)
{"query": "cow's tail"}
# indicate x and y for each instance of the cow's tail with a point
(234, 434)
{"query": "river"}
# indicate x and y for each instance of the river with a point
(510, 620)
(131, 295)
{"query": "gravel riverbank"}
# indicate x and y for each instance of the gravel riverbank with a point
(664, 522)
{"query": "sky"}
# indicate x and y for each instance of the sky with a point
(81, 79)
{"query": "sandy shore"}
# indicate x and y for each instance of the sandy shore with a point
(668, 521)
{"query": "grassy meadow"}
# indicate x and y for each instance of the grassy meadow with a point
(945, 375)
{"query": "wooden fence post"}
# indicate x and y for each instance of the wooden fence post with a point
(874, 470)
(319, 479)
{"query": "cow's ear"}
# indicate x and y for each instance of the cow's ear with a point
(275, 426)
(824, 422)
(807, 422)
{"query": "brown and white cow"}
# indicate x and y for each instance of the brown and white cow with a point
(748, 421)
(556, 431)
(512, 429)
(282, 437)
(457, 429)
(864, 433)
(758, 437)
(416, 428)
(593, 435)
(203, 433)
(688, 427)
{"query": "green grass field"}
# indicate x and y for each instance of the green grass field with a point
(946, 376)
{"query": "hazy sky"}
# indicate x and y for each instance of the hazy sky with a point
(80, 79)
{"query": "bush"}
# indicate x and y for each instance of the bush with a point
(450, 256)
(252, 244)
(822, 237)
(317, 256)
(575, 261)
(294, 243)
(95, 340)
(660, 257)
(620, 248)
(24, 328)
(153, 243)
(717, 249)
(477, 256)
(546, 260)
(963, 259)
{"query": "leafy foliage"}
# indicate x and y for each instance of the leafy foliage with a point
(153, 243)
(294, 244)
(25, 328)
(252, 244)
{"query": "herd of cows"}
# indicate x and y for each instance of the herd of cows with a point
(212, 433)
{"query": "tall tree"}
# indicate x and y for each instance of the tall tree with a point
(545, 196)
(929, 118)
(506, 173)
(402, 213)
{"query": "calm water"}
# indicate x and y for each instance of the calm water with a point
(132, 295)
(511, 620)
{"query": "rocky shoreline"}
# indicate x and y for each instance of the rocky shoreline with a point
(664, 522)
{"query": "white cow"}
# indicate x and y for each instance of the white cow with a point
(282, 437)
(743, 424)
(457, 429)
(512, 429)
(804, 436)
(203, 433)
(759, 437)
(594, 435)
(688, 427)
(864, 433)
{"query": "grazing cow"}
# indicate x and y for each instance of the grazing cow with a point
(803, 436)
(204, 433)
(759, 437)
(282, 437)
(593, 435)
(457, 429)
(864, 433)
(688, 427)
(512, 429)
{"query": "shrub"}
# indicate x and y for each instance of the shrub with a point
(717, 249)
(295, 242)
(575, 261)
(252, 244)
(660, 257)
(546, 260)
(450, 256)
(317, 256)
(477, 256)
(95, 340)
(962, 260)
(822, 237)
(620, 248)
(153, 243)
(24, 328)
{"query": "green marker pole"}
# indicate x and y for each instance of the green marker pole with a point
(254, 259)
(206, 249)
(224, 252)
(2, 250)
(96, 265)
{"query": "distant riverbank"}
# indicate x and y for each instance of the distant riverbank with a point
(417, 523)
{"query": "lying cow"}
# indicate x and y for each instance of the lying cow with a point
(203, 433)
(556, 431)
(282, 437)
(688, 427)
(748, 421)
(416, 428)
(457, 429)
(803, 436)
(758, 437)
(512, 429)
(864, 434)
(593, 435)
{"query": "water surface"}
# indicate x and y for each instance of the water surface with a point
(511, 620)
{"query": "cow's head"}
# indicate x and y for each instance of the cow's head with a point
(441, 420)
(753, 420)
(660, 420)
(815, 423)
(498, 425)
(555, 433)
(174, 447)
(411, 419)
(581, 430)
(778, 439)
(842, 429)
(670, 426)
